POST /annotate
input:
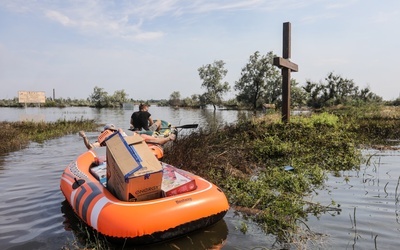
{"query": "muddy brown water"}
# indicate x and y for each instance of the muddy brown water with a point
(33, 214)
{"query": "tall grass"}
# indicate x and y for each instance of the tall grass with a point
(18, 135)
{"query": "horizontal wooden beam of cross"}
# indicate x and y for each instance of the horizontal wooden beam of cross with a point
(285, 63)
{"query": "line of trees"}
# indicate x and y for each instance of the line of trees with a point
(260, 83)
(100, 98)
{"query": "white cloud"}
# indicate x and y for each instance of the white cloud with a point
(58, 17)
(135, 19)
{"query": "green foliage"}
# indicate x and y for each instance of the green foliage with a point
(336, 91)
(315, 120)
(17, 135)
(373, 124)
(212, 75)
(99, 97)
(298, 96)
(396, 102)
(260, 81)
(118, 98)
(321, 133)
(175, 99)
(243, 228)
(193, 102)
(58, 102)
(270, 146)
(247, 160)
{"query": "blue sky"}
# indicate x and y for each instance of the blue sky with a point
(150, 48)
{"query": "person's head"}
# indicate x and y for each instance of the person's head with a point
(108, 130)
(110, 127)
(143, 107)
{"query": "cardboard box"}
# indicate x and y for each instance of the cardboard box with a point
(133, 172)
(176, 181)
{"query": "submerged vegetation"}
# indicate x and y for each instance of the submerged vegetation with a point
(267, 167)
(18, 135)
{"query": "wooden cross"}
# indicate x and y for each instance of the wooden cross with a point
(286, 66)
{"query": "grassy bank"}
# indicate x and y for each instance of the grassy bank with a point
(248, 161)
(18, 135)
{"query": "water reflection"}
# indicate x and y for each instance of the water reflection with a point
(212, 119)
(215, 120)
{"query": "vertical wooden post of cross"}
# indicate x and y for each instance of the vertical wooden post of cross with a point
(286, 67)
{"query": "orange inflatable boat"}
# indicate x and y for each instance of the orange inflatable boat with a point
(140, 222)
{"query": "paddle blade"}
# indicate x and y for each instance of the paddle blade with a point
(188, 126)
(183, 126)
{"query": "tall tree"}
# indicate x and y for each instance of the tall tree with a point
(298, 95)
(119, 98)
(99, 97)
(212, 75)
(175, 99)
(260, 81)
(337, 90)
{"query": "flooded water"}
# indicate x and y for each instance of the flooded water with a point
(369, 202)
(33, 214)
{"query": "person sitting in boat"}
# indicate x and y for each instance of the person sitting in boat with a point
(109, 129)
(142, 120)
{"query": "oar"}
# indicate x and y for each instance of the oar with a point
(187, 126)
(183, 126)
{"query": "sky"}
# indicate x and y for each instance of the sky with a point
(151, 48)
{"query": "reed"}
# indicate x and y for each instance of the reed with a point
(17, 135)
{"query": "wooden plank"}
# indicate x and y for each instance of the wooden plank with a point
(287, 40)
(285, 94)
(285, 63)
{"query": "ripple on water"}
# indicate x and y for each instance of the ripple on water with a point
(370, 211)
(31, 198)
